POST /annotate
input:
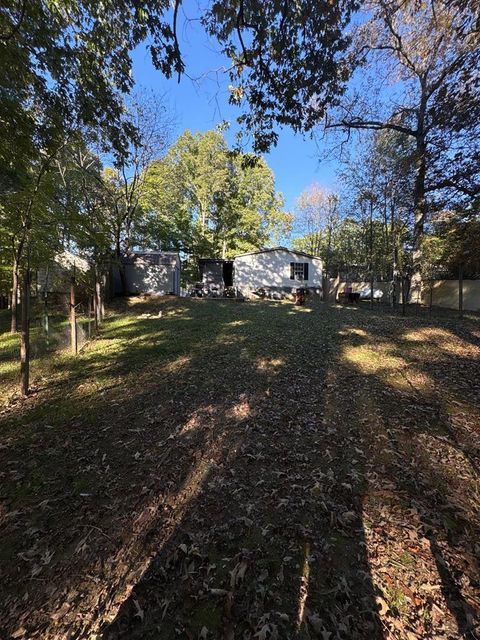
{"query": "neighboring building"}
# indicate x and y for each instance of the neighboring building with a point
(278, 270)
(153, 272)
(56, 276)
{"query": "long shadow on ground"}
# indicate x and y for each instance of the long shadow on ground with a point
(418, 384)
(207, 470)
(247, 470)
(272, 545)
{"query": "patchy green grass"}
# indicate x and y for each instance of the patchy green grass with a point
(208, 468)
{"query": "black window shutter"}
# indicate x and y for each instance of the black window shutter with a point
(305, 270)
(292, 271)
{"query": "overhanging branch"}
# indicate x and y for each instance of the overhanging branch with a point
(371, 124)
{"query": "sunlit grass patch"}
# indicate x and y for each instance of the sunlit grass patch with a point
(373, 360)
(177, 364)
(239, 411)
(237, 323)
(409, 380)
(443, 341)
(8, 367)
(270, 364)
(353, 331)
(299, 309)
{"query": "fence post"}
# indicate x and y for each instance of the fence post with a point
(460, 290)
(45, 318)
(98, 301)
(25, 334)
(73, 319)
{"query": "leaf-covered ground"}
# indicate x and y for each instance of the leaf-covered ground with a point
(209, 469)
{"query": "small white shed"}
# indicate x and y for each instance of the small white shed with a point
(277, 270)
(153, 272)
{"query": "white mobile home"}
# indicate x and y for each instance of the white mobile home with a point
(278, 270)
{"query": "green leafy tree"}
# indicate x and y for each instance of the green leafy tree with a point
(204, 199)
(376, 183)
(454, 246)
(70, 63)
(317, 217)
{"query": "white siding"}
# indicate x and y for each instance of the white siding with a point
(149, 272)
(149, 278)
(271, 269)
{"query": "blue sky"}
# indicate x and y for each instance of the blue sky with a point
(200, 105)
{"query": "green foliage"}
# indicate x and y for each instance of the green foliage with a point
(204, 199)
(67, 64)
(453, 244)
(287, 60)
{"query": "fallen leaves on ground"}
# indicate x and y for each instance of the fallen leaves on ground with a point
(248, 471)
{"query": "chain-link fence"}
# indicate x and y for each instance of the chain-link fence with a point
(51, 325)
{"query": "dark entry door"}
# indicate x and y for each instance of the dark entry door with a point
(228, 274)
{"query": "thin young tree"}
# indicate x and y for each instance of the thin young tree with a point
(316, 221)
(124, 184)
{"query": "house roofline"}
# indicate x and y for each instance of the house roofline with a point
(279, 248)
(152, 252)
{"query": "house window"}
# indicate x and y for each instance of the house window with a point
(299, 271)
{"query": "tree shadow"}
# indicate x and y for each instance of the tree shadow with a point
(273, 544)
(202, 479)
(419, 385)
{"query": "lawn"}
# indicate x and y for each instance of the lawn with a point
(214, 469)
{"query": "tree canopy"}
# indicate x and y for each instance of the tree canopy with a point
(417, 75)
(205, 199)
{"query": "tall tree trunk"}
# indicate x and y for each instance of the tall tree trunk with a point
(25, 335)
(430, 298)
(371, 254)
(460, 290)
(121, 267)
(386, 242)
(73, 317)
(14, 304)
(326, 280)
(419, 206)
(395, 287)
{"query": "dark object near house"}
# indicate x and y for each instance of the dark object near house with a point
(270, 294)
(349, 295)
(300, 296)
(216, 274)
(197, 290)
(230, 292)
